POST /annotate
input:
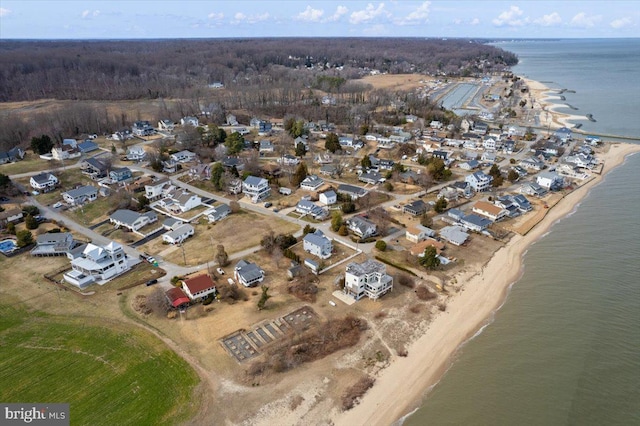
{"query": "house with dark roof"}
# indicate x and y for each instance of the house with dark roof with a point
(131, 220)
(12, 155)
(370, 177)
(142, 128)
(248, 274)
(120, 174)
(361, 227)
(11, 216)
(352, 191)
(306, 207)
(218, 213)
(475, 223)
(43, 181)
(94, 168)
(53, 244)
(415, 208)
(87, 146)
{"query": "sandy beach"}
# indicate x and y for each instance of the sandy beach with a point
(550, 114)
(400, 387)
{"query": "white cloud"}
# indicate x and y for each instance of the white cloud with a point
(216, 16)
(418, 16)
(620, 23)
(240, 17)
(511, 18)
(4, 12)
(340, 11)
(582, 20)
(474, 21)
(549, 20)
(88, 14)
(310, 15)
(368, 14)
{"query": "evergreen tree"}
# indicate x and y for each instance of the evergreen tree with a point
(31, 222)
(430, 259)
(336, 221)
(217, 174)
(234, 143)
(24, 238)
(440, 205)
(300, 174)
(332, 143)
(301, 149)
(365, 162)
(41, 145)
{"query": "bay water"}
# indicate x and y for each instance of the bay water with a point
(564, 349)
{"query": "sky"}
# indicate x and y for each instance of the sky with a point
(134, 19)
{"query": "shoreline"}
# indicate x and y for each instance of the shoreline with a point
(401, 387)
(549, 114)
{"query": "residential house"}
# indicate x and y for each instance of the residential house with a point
(88, 146)
(65, 152)
(218, 213)
(509, 146)
(362, 227)
(455, 214)
(443, 155)
(234, 186)
(284, 191)
(120, 174)
(170, 166)
(479, 181)
(564, 134)
(372, 178)
(96, 263)
(178, 235)
(328, 197)
(489, 157)
(230, 163)
(550, 180)
(11, 216)
(301, 140)
(81, 195)
(266, 146)
(532, 163)
(523, 204)
(415, 208)
(44, 181)
(368, 278)
(328, 169)
(454, 234)
(572, 172)
(180, 201)
(184, 156)
(200, 172)
(469, 165)
(136, 153)
(475, 223)
(480, 128)
(248, 274)
(352, 191)
(435, 124)
(489, 210)
(132, 220)
(419, 233)
(198, 287)
(53, 244)
(410, 118)
(289, 160)
(532, 188)
(506, 202)
(306, 207)
(464, 188)
(449, 193)
(156, 190)
(232, 120)
(177, 297)
(189, 121)
(12, 155)
(142, 128)
(94, 168)
(171, 223)
(317, 244)
(419, 248)
(166, 125)
(489, 143)
(311, 183)
(255, 188)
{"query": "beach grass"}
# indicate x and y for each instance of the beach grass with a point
(108, 373)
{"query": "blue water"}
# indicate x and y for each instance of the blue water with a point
(7, 246)
(565, 347)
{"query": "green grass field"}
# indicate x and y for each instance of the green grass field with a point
(110, 374)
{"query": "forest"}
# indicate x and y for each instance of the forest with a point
(103, 86)
(137, 69)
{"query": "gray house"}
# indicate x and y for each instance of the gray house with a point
(317, 244)
(248, 274)
(81, 195)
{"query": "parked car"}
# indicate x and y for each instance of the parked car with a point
(268, 204)
(57, 205)
(151, 282)
(3, 199)
(220, 271)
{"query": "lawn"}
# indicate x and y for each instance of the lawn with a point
(30, 163)
(108, 373)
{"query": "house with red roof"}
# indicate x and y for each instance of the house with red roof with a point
(198, 287)
(177, 298)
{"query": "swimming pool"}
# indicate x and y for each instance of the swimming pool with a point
(7, 246)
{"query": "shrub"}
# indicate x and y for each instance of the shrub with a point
(424, 293)
(381, 245)
(405, 280)
(353, 393)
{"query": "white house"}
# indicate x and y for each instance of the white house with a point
(419, 233)
(311, 183)
(307, 207)
(317, 244)
(179, 234)
(248, 274)
(289, 160)
(489, 210)
(185, 156)
(53, 244)
(368, 278)
(255, 188)
(198, 287)
(65, 152)
(361, 227)
(97, 263)
(190, 121)
(454, 234)
(479, 181)
(136, 153)
(549, 180)
(218, 213)
(81, 195)
(43, 181)
(180, 201)
(132, 220)
(166, 125)
(328, 197)
(158, 189)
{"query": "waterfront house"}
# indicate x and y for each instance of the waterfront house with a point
(419, 248)
(489, 210)
(419, 233)
(474, 222)
(368, 278)
(550, 180)
(454, 234)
